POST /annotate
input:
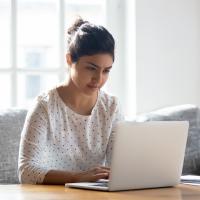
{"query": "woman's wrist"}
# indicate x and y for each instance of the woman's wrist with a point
(75, 177)
(60, 177)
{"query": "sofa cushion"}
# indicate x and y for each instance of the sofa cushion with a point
(189, 113)
(11, 124)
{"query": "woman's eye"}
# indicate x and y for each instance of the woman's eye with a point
(107, 71)
(91, 68)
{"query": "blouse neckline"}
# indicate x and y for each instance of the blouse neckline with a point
(72, 111)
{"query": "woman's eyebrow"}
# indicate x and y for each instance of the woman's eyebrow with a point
(97, 65)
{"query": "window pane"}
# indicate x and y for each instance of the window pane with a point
(37, 34)
(5, 90)
(91, 10)
(4, 33)
(31, 85)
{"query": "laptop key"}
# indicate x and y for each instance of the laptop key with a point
(103, 184)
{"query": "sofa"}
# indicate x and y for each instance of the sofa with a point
(11, 124)
(189, 113)
(12, 120)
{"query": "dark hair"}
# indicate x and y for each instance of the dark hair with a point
(85, 39)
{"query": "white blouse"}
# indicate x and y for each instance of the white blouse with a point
(55, 137)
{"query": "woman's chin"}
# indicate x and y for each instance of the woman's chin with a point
(91, 90)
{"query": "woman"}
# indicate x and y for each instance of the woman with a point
(68, 134)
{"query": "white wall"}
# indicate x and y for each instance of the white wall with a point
(167, 53)
(121, 23)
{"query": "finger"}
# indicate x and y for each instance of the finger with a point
(100, 170)
(100, 176)
(104, 167)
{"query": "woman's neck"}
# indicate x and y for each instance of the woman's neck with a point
(74, 99)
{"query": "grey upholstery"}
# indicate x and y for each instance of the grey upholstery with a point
(11, 123)
(189, 113)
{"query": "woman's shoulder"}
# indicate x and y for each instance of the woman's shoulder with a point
(47, 96)
(111, 105)
(44, 100)
(108, 100)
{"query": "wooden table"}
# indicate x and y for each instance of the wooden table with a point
(42, 192)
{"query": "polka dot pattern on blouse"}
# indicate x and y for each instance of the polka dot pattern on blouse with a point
(55, 137)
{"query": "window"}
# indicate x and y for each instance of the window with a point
(32, 39)
(32, 50)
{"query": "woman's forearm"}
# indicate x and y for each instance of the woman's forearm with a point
(59, 177)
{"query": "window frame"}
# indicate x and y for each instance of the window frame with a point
(122, 28)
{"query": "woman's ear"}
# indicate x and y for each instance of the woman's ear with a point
(69, 59)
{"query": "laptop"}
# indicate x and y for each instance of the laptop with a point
(145, 155)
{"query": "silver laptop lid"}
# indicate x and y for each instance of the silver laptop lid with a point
(148, 154)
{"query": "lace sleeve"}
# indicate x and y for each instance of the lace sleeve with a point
(34, 133)
(118, 116)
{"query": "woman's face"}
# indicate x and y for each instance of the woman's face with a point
(90, 73)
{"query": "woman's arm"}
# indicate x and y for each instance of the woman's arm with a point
(31, 169)
(62, 177)
(117, 116)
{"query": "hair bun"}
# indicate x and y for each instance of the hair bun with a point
(75, 26)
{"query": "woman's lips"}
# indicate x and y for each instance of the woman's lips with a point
(92, 86)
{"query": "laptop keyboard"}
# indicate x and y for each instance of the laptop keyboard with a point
(102, 184)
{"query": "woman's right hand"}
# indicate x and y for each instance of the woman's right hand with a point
(93, 175)
(62, 177)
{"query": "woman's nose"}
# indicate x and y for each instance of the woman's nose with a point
(98, 77)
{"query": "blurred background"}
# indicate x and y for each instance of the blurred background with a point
(157, 49)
